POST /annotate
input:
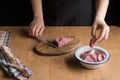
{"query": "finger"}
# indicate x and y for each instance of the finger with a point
(37, 31)
(101, 36)
(107, 34)
(30, 26)
(27, 29)
(32, 30)
(41, 31)
(93, 32)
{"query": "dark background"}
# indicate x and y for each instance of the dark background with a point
(19, 13)
(15, 12)
(113, 14)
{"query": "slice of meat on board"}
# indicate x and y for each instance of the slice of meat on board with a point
(66, 45)
(62, 41)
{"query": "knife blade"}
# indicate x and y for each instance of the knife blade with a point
(41, 38)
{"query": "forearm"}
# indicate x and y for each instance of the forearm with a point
(37, 8)
(101, 8)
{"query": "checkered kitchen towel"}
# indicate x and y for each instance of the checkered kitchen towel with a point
(4, 38)
(11, 64)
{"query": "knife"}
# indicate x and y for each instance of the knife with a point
(41, 38)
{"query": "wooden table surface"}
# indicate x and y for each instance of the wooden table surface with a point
(63, 67)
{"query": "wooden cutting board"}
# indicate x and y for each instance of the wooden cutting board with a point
(44, 49)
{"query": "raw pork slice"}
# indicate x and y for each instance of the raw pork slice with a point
(62, 41)
(92, 42)
(93, 56)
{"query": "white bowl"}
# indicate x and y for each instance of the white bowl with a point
(91, 65)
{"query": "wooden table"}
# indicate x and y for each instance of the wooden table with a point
(64, 67)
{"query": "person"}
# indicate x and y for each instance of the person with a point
(64, 12)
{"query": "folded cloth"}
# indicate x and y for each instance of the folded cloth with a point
(12, 65)
(4, 38)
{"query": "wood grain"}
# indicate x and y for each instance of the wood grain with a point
(63, 67)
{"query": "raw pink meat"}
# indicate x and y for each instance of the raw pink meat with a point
(92, 56)
(62, 41)
(89, 59)
(92, 42)
(99, 56)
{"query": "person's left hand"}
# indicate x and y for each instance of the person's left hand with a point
(36, 27)
(100, 24)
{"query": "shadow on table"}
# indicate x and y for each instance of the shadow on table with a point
(24, 33)
(74, 64)
(4, 75)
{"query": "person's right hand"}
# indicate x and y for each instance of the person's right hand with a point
(99, 24)
(36, 27)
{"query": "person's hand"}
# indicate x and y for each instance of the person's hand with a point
(99, 24)
(36, 27)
